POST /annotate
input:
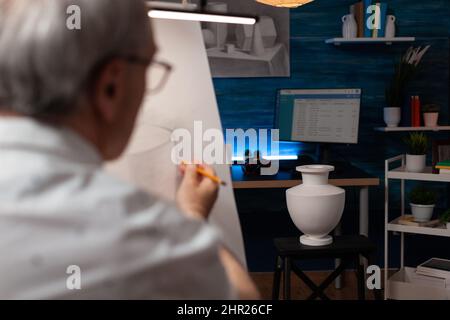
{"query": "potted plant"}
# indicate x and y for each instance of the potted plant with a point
(395, 92)
(445, 218)
(422, 202)
(431, 115)
(392, 114)
(417, 152)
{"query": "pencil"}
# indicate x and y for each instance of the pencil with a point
(206, 174)
(216, 179)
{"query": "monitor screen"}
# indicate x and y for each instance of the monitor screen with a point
(323, 115)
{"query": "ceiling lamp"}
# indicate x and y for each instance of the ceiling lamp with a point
(285, 3)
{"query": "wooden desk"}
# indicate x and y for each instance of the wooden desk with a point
(346, 175)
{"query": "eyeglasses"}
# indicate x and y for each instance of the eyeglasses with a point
(159, 72)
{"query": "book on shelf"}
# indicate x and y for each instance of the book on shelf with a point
(435, 267)
(382, 9)
(408, 220)
(370, 20)
(443, 165)
(357, 10)
(367, 30)
(444, 171)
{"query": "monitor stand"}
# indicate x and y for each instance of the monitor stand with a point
(323, 153)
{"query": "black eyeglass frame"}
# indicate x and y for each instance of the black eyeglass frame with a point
(147, 62)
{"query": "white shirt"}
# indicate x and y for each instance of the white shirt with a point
(58, 208)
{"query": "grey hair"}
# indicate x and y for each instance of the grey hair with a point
(44, 66)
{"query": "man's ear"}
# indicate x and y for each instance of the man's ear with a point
(109, 90)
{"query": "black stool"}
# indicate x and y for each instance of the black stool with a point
(347, 248)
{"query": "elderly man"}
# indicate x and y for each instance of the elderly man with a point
(68, 102)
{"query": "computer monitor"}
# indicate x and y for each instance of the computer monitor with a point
(322, 115)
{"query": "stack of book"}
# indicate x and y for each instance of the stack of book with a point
(437, 268)
(444, 167)
(364, 14)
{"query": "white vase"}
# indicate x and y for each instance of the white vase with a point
(390, 26)
(392, 117)
(349, 26)
(430, 119)
(422, 213)
(315, 206)
(416, 163)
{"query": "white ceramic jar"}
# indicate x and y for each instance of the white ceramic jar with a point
(390, 26)
(392, 117)
(349, 26)
(315, 206)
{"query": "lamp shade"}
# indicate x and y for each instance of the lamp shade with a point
(285, 3)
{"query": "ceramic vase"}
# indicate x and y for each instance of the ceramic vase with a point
(392, 117)
(315, 206)
(390, 26)
(349, 26)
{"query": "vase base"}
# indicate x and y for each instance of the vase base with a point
(316, 242)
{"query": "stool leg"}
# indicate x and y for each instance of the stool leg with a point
(287, 278)
(277, 278)
(361, 281)
(337, 262)
(377, 293)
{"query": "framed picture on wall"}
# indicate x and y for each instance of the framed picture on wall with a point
(261, 50)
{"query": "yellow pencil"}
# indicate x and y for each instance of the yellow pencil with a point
(206, 174)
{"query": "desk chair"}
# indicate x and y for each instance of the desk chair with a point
(347, 248)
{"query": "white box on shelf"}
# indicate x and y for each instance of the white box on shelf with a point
(407, 285)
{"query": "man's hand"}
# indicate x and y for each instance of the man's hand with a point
(197, 194)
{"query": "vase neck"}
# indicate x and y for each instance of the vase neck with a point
(315, 178)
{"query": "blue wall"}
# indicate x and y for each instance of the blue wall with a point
(250, 103)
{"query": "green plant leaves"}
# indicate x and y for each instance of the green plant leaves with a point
(417, 143)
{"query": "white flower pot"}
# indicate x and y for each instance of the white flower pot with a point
(416, 163)
(392, 117)
(315, 206)
(422, 213)
(430, 119)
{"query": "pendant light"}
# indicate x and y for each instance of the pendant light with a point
(285, 3)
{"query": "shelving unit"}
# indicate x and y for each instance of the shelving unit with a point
(400, 173)
(438, 231)
(406, 129)
(387, 41)
(400, 285)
